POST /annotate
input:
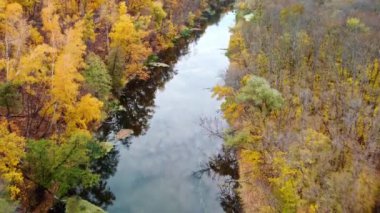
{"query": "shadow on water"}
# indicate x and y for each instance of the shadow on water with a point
(138, 95)
(101, 195)
(138, 101)
(224, 165)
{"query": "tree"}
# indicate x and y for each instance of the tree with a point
(258, 93)
(86, 112)
(116, 68)
(136, 6)
(34, 67)
(89, 27)
(61, 165)
(16, 31)
(309, 142)
(159, 14)
(10, 97)
(125, 36)
(66, 77)
(12, 149)
(97, 78)
(50, 96)
(51, 25)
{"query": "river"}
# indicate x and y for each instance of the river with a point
(155, 170)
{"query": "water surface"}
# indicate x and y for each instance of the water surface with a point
(155, 169)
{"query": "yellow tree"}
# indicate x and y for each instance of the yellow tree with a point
(127, 39)
(51, 25)
(65, 85)
(87, 111)
(34, 66)
(107, 16)
(136, 6)
(11, 151)
(89, 5)
(16, 31)
(66, 78)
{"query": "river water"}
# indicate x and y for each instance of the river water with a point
(155, 170)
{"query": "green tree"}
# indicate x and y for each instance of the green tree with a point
(61, 165)
(97, 78)
(258, 93)
(10, 97)
(116, 66)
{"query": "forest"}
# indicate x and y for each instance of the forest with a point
(302, 98)
(63, 64)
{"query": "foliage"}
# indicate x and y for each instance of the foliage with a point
(10, 97)
(53, 80)
(97, 78)
(302, 102)
(89, 27)
(185, 32)
(128, 39)
(11, 151)
(116, 67)
(257, 92)
(159, 13)
(61, 165)
(75, 204)
(7, 206)
(87, 111)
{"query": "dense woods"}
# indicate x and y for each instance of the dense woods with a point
(302, 98)
(62, 64)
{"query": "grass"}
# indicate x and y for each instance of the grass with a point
(76, 205)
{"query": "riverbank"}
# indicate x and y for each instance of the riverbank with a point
(302, 105)
(60, 64)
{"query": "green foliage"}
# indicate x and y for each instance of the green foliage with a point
(186, 32)
(191, 19)
(258, 93)
(159, 14)
(116, 67)
(10, 97)
(97, 78)
(241, 138)
(89, 27)
(152, 58)
(64, 164)
(76, 205)
(7, 205)
(356, 25)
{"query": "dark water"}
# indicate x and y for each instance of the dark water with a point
(171, 164)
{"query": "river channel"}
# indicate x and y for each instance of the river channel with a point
(171, 163)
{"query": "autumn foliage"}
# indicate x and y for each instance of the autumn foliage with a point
(60, 62)
(302, 100)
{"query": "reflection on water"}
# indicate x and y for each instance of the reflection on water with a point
(138, 97)
(160, 169)
(224, 165)
(101, 195)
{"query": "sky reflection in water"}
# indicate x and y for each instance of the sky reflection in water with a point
(155, 172)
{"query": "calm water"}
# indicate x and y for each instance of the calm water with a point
(153, 171)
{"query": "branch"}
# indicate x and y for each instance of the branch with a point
(213, 126)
